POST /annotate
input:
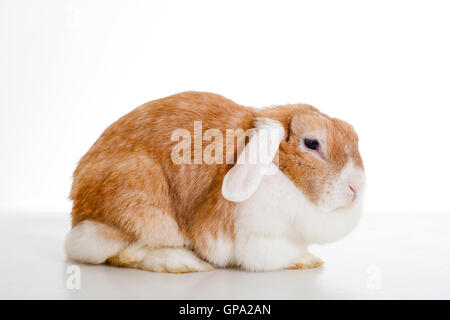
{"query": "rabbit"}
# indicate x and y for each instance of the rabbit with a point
(137, 205)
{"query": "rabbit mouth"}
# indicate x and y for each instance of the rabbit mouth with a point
(355, 203)
(347, 206)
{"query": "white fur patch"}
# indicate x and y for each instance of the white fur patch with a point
(338, 193)
(220, 250)
(173, 260)
(274, 227)
(85, 243)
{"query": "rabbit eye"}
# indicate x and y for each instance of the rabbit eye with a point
(312, 144)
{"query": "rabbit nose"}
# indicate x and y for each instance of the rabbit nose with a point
(356, 183)
(353, 195)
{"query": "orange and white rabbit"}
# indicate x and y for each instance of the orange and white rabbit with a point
(134, 206)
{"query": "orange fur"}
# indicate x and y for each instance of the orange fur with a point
(128, 181)
(307, 172)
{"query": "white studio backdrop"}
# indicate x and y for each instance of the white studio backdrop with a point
(70, 68)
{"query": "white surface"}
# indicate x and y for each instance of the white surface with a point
(70, 68)
(387, 257)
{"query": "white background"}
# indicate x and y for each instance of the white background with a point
(68, 69)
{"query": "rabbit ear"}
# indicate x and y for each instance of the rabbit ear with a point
(254, 161)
